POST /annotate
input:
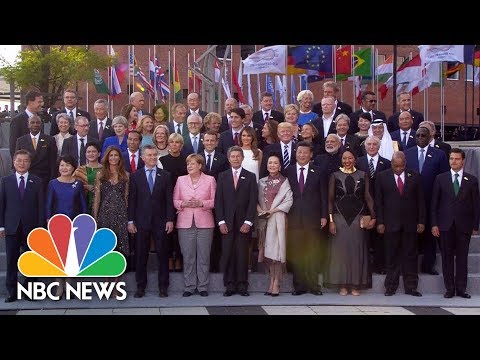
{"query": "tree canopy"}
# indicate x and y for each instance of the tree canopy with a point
(52, 68)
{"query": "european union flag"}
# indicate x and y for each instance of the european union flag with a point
(314, 57)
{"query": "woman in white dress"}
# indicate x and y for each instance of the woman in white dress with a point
(252, 154)
(64, 123)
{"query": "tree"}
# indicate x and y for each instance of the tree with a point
(53, 68)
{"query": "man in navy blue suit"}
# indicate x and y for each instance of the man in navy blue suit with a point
(405, 136)
(150, 214)
(428, 162)
(404, 101)
(455, 216)
(21, 210)
(132, 158)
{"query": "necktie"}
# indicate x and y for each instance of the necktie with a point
(83, 159)
(178, 129)
(34, 143)
(301, 180)
(209, 161)
(400, 185)
(100, 131)
(195, 144)
(266, 116)
(404, 141)
(21, 186)
(150, 180)
(71, 115)
(132, 164)
(235, 139)
(235, 178)
(456, 185)
(421, 160)
(371, 168)
(286, 159)
(343, 142)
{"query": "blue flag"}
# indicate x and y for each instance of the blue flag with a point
(314, 57)
(270, 89)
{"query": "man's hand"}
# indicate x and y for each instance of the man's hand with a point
(381, 228)
(435, 231)
(224, 229)
(323, 222)
(2, 234)
(132, 229)
(169, 227)
(245, 228)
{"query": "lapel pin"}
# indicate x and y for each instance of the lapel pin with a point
(408, 174)
(311, 170)
(42, 139)
(411, 136)
(465, 178)
(214, 158)
(381, 162)
(436, 145)
(242, 177)
(429, 155)
(31, 181)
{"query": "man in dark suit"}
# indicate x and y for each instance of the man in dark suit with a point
(306, 243)
(132, 158)
(434, 162)
(215, 163)
(230, 103)
(179, 123)
(369, 101)
(404, 101)
(231, 136)
(247, 121)
(21, 210)
(285, 148)
(19, 123)
(325, 123)
(348, 141)
(435, 142)
(267, 113)
(192, 139)
(150, 214)
(70, 100)
(193, 102)
(73, 145)
(235, 210)
(405, 136)
(455, 216)
(331, 160)
(138, 100)
(373, 164)
(101, 126)
(43, 150)
(401, 214)
(331, 88)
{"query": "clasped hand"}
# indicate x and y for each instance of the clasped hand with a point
(192, 203)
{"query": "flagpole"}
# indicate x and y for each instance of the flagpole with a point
(155, 100)
(354, 92)
(442, 99)
(372, 70)
(174, 72)
(375, 77)
(133, 75)
(258, 87)
(188, 73)
(170, 77)
(334, 54)
(109, 81)
(465, 93)
(231, 70)
(129, 70)
(149, 96)
(394, 86)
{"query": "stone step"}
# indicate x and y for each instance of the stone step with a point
(258, 282)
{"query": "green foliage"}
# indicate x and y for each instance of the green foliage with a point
(53, 68)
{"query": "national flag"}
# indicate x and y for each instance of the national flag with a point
(282, 90)
(117, 73)
(270, 59)
(314, 57)
(143, 80)
(291, 69)
(409, 71)
(131, 63)
(175, 81)
(476, 59)
(468, 51)
(217, 71)
(249, 88)
(476, 77)
(198, 81)
(358, 88)
(303, 82)
(362, 62)
(161, 85)
(343, 66)
(453, 67)
(293, 92)
(270, 89)
(430, 75)
(238, 87)
(432, 53)
(385, 70)
(100, 86)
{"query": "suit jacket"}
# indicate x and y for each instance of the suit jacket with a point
(354, 119)
(382, 164)
(126, 162)
(54, 128)
(462, 209)
(219, 164)
(150, 211)
(226, 141)
(274, 114)
(392, 123)
(328, 164)
(29, 210)
(107, 130)
(70, 146)
(44, 157)
(235, 206)
(276, 148)
(204, 190)
(18, 128)
(318, 123)
(351, 143)
(439, 144)
(342, 108)
(224, 125)
(435, 163)
(199, 111)
(171, 129)
(399, 212)
(188, 146)
(309, 207)
(397, 135)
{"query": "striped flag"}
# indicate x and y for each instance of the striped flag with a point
(162, 85)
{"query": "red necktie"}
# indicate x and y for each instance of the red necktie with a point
(400, 185)
(132, 164)
(235, 139)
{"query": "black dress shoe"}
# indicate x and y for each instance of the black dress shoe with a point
(10, 299)
(163, 293)
(316, 292)
(448, 294)
(389, 293)
(413, 293)
(228, 293)
(273, 295)
(463, 295)
(139, 293)
(431, 272)
(298, 292)
(244, 293)
(187, 294)
(203, 293)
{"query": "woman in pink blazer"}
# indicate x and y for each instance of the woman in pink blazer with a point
(193, 197)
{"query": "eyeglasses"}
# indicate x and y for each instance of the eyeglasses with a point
(86, 125)
(421, 135)
(372, 101)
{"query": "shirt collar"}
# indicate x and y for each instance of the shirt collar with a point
(460, 173)
(375, 158)
(239, 171)
(25, 176)
(304, 166)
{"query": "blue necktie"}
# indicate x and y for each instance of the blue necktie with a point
(150, 180)
(404, 141)
(195, 144)
(421, 160)
(21, 186)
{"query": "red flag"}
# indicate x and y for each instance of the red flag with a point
(344, 60)
(241, 98)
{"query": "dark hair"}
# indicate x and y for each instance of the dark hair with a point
(104, 174)
(305, 144)
(94, 144)
(69, 159)
(165, 111)
(277, 155)
(457, 151)
(273, 126)
(254, 145)
(136, 132)
(210, 132)
(366, 115)
(350, 151)
(238, 111)
(31, 95)
(22, 152)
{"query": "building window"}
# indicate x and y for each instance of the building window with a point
(452, 71)
(469, 72)
(220, 52)
(246, 50)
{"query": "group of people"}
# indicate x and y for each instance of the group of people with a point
(312, 188)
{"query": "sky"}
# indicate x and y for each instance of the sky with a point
(9, 52)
